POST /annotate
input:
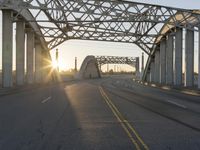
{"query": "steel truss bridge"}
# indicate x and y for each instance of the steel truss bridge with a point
(102, 60)
(146, 25)
(109, 20)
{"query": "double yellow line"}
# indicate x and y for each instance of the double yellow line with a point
(130, 131)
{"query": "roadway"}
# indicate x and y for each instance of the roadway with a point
(112, 113)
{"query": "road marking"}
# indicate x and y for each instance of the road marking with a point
(128, 124)
(124, 123)
(46, 100)
(121, 122)
(177, 104)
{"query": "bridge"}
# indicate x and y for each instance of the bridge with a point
(114, 112)
(132, 61)
(151, 27)
(50, 23)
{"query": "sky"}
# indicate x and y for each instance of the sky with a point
(80, 49)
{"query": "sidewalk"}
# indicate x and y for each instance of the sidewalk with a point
(186, 90)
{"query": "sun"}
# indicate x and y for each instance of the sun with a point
(60, 64)
(54, 64)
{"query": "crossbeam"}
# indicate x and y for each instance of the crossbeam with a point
(103, 20)
(102, 60)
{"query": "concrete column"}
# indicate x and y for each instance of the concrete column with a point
(178, 57)
(163, 62)
(157, 67)
(148, 77)
(7, 43)
(20, 52)
(46, 66)
(199, 63)
(189, 58)
(137, 68)
(152, 72)
(38, 63)
(30, 56)
(169, 60)
(142, 68)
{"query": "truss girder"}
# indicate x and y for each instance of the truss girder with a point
(103, 20)
(102, 60)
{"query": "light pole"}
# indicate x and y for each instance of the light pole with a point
(57, 60)
(75, 64)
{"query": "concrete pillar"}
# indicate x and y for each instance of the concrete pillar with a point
(38, 63)
(46, 66)
(199, 63)
(148, 77)
(169, 60)
(163, 62)
(137, 68)
(189, 58)
(152, 72)
(178, 57)
(157, 67)
(7, 43)
(20, 52)
(30, 56)
(142, 68)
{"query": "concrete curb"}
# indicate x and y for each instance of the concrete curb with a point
(188, 91)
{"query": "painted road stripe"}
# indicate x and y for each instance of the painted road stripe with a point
(128, 124)
(121, 122)
(46, 100)
(125, 124)
(177, 104)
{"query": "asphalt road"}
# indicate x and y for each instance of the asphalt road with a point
(112, 113)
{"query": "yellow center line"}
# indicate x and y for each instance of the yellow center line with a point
(121, 122)
(128, 124)
(122, 119)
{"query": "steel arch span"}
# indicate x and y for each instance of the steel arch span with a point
(56, 21)
(102, 60)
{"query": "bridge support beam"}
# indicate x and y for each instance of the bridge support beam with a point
(38, 63)
(152, 72)
(148, 77)
(189, 58)
(157, 67)
(169, 60)
(7, 42)
(199, 63)
(30, 56)
(178, 57)
(20, 52)
(163, 62)
(137, 67)
(142, 65)
(46, 68)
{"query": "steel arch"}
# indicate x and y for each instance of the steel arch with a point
(108, 20)
(102, 60)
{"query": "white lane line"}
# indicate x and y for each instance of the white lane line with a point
(177, 104)
(47, 99)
